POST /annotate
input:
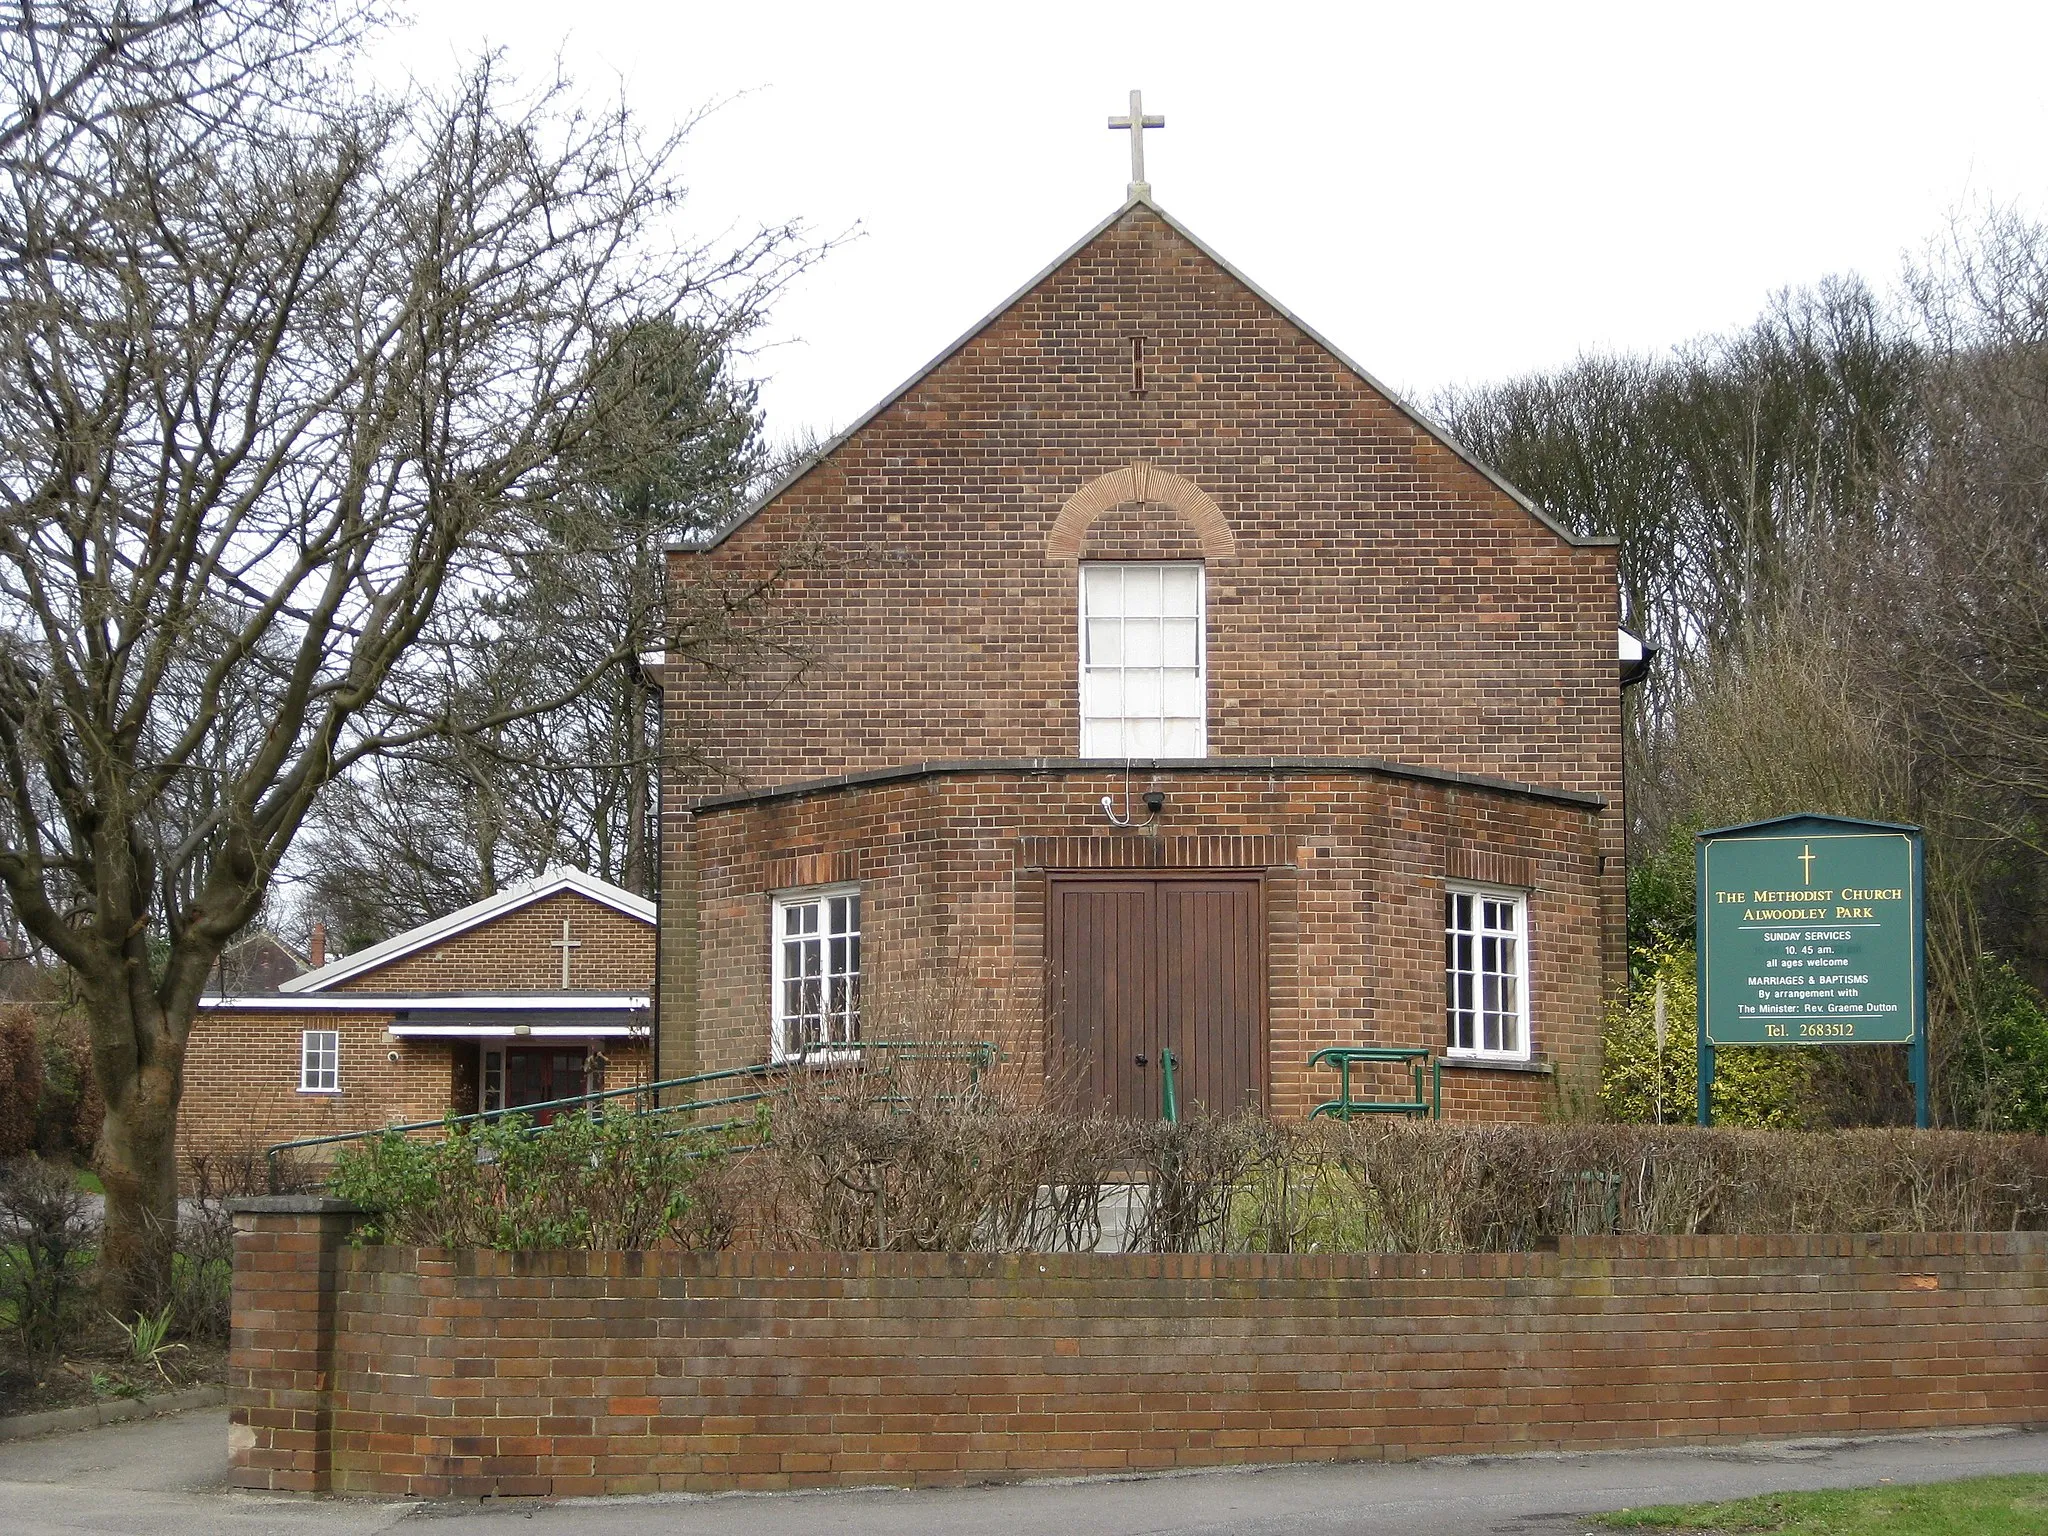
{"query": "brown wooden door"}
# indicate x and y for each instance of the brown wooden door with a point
(1213, 946)
(535, 1074)
(1142, 964)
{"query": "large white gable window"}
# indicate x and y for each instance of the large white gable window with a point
(817, 971)
(1144, 667)
(1486, 973)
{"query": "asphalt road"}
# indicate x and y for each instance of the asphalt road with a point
(163, 1477)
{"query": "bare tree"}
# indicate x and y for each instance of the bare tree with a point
(455, 819)
(286, 365)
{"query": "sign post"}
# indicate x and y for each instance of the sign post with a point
(1812, 930)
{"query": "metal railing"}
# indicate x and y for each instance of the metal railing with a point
(977, 1057)
(1414, 1057)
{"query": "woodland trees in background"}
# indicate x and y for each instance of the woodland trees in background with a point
(416, 833)
(1835, 526)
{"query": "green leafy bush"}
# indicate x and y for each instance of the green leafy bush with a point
(1997, 1066)
(583, 1181)
(1753, 1085)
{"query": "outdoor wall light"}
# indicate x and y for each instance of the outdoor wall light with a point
(1155, 802)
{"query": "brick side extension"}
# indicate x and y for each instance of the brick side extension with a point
(479, 1374)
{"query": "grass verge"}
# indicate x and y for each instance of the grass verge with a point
(1982, 1506)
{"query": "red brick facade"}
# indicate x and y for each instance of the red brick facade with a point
(1372, 598)
(242, 1064)
(408, 1372)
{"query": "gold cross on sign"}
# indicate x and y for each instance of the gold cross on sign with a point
(1137, 123)
(565, 944)
(1805, 868)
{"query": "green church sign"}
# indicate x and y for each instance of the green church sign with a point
(1811, 931)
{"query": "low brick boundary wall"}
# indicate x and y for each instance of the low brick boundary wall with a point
(409, 1371)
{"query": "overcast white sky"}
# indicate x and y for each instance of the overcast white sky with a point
(1450, 193)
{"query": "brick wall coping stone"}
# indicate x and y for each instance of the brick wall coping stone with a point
(294, 1205)
(1371, 767)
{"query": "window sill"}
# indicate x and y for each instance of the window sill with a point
(837, 1057)
(1497, 1064)
(322, 1093)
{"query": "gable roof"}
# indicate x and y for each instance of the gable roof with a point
(1415, 414)
(549, 883)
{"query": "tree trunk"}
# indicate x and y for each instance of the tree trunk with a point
(137, 1160)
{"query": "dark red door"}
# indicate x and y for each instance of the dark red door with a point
(535, 1074)
(1142, 964)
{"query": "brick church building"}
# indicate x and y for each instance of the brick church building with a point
(1155, 678)
(538, 992)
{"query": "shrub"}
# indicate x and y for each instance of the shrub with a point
(861, 1176)
(1753, 1085)
(46, 1239)
(70, 1110)
(585, 1181)
(201, 1279)
(21, 1078)
(1997, 1067)
(858, 1161)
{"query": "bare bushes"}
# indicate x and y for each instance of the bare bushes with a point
(920, 1154)
(46, 1241)
(852, 1176)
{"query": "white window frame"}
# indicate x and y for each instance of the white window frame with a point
(490, 1077)
(782, 1047)
(1477, 973)
(310, 1067)
(1082, 667)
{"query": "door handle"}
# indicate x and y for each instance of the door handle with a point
(1141, 1061)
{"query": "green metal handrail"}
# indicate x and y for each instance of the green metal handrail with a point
(1169, 1098)
(978, 1056)
(1414, 1057)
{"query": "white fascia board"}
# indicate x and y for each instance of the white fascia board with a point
(508, 1032)
(414, 1002)
(542, 886)
(1421, 418)
(1631, 646)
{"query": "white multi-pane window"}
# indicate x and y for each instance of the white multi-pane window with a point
(320, 1061)
(1143, 661)
(1486, 973)
(817, 971)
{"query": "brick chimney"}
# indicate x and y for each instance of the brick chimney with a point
(316, 947)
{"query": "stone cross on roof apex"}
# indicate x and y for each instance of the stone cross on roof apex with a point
(1137, 123)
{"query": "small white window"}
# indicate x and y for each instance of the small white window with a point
(817, 972)
(491, 1089)
(320, 1061)
(1486, 973)
(1144, 661)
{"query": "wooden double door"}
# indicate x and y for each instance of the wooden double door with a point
(1140, 965)
(535, 1074)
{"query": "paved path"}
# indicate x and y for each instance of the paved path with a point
(164, 1477)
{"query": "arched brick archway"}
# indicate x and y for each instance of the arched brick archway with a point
(1142, 482)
